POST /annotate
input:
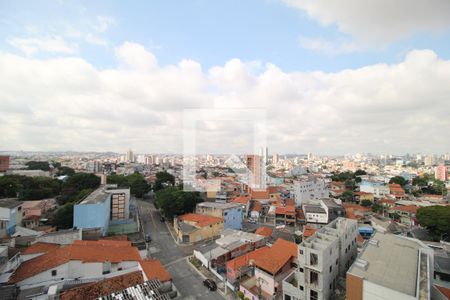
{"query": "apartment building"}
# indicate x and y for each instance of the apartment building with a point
(311, 189)
(105, 204)
(391, 267)
(230, 212)
(323, 258)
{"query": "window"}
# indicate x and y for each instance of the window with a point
(336, 262)
(287, 297)
(54, 272)
(314, 277)
(314, 295)
(314, 260)
(331, 268)
(225, 213)
(301, 288)
(301, 251)
(301, 270)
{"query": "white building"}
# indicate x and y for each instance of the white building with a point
(391, 267)
(78, 261)
(311, 189)
(323, 258)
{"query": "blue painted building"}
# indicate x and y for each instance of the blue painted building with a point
(10, 216)
(230, 212)
(94, 211)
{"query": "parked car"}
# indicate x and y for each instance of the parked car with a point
(148, 238)
(252, 221)
(210, 284)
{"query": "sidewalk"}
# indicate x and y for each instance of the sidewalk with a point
(205, 274)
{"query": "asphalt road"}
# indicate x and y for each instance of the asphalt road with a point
(188, 282)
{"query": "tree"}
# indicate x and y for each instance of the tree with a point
(398, 180)
(377, 208)
(347, 196)
(29, 188)
(75, 184)
(38, 165)
(63, 218)
(174, 201)
(360, 172)
(136, 182)
(436, 219)
(366, 203)
(65, 171)
(163, 179)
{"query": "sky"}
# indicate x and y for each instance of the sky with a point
(368, 76)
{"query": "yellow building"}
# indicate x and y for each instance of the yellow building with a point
(363, 196)
(192, 228)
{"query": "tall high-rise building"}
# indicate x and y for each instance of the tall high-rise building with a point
(256, 165)
(4, 163)
(130, 156)
(441, 172)
(275, 159)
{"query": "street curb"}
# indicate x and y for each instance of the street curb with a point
(203, 276)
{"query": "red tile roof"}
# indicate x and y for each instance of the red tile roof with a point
(244, 260)
(93, 251)
(103, 287)
(40, 247)
(261, 194)
(444, 291)
(200, 220)
(412, 209)
(241, 199)
(257, 206)
(308, 231)
(153, 269)
(277, 256)
(264, 231)
(286, 210)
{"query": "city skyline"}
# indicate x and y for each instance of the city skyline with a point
(77, 75)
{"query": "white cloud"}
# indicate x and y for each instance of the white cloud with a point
(56, 44)
(379, 21)
(328, 47)
(67, 103)
(104, 23)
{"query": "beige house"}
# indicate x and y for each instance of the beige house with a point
(192, 228)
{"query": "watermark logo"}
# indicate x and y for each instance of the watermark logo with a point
(250, 170)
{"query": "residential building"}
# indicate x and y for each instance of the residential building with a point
(256, 165)
(80, 260)
(230, 212)
(285, 215)
(268, 267)
(311, 189)
(231, 244)
(325, 211)
(10, 216)
(397, 191)
(103, 205)
(441, 172)
(391, 267)
(359, 197)
(4, 163)
(337, 188)
(407, 214)
(323, 257)
(378, 189)
(191, 228)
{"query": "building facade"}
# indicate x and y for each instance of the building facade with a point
(323, 258)
(391, 267)
(4, 163)
(311, 189)
(230, 212)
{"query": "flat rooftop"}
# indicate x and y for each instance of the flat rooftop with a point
(393, 263)
(98, 196)
(10, 202)
(219, 205)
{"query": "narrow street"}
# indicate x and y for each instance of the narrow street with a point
(188, 281)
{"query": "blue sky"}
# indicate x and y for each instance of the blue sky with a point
(210, 32)
(368, 76)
